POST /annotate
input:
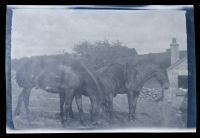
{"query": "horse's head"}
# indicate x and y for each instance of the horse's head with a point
(161, 76)
(48, 80)
(55, 78)
(137, 75)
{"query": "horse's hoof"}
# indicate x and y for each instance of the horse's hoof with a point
(95, 124)
(112, 121)
(68, 122)
(132, 119)
(82, 123)
(29, 119)
(63, 125)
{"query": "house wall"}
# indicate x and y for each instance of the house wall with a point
(172, 102)
(173, 73)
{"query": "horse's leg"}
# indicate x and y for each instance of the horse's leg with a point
(130, 105)
(106, 105)
(78, 98)
(71, 113)
(62, 100)
(135, 98)
(110, 105)
(26, 97)
(19, 102)
(93, 107)
(69, 95)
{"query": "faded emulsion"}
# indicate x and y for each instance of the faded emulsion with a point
(9, 120)
(115, 75)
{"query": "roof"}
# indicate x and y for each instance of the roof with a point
(162, 57)
(177, 63)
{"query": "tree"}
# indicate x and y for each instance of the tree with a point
(103, 53)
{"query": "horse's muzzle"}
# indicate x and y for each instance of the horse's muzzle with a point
(165, 86)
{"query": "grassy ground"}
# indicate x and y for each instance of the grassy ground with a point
(45, 111)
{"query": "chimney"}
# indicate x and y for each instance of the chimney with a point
(174, 51)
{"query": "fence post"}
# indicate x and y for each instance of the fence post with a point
(165, 117)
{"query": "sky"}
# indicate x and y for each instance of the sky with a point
(51, 31)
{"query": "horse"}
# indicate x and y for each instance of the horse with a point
(71, 84)
(128, 79)
(53, 76)
(27, 70)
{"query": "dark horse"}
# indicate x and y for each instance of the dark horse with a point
(52, 75)
(128, 79)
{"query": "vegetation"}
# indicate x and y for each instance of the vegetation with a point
(102, 53)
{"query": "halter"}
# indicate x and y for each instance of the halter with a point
(145, 78)
(139, 82)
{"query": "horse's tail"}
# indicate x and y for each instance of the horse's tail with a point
(99, 91)
(90, 73)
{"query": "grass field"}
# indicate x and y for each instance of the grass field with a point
(44, 109)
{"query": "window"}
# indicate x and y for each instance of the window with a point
(183, 81)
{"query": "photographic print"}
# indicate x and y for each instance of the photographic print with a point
(71, 69)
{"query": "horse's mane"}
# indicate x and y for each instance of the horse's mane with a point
(143, 66)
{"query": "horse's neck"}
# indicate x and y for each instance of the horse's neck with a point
(144, 74)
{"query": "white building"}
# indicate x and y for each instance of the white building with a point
(178, 75)
(178, 79)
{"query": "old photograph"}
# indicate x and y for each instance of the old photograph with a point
(87, 69)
